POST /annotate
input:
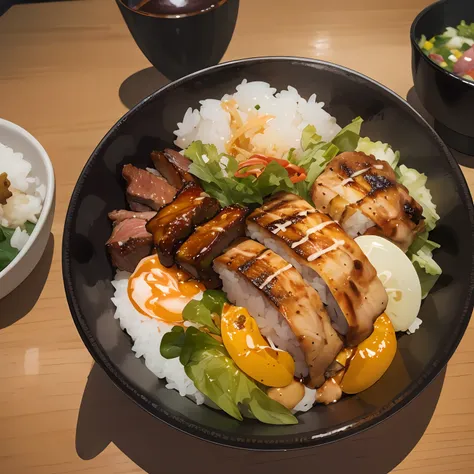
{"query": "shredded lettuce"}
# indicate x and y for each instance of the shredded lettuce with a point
(381, 151)
(207, 363)
(421, 255)
(415, 182)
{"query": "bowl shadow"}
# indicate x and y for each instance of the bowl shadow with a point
(107, 415)
(23, 298)
(140, 85)
(414, 101)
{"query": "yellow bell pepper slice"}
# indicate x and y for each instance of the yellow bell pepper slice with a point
(251, 352)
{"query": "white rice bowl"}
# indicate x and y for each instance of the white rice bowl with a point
(212, 125)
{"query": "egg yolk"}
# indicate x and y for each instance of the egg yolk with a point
(370, 359)
(251, 352)
(161, 292)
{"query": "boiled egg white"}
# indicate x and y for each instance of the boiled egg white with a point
(398, 276)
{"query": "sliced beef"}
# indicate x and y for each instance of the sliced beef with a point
(209, 241)
(171, 167)
(175, 223)
(145, 191)
(129, 243)
(121, 215)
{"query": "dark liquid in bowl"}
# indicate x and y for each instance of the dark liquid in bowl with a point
(173, 7)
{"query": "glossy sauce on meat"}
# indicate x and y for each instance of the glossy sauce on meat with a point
(176, 221)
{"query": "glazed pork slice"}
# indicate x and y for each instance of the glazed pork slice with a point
(209, 241)
(173, 167)
(129, 243)
(363, 195)
(174, 223)
(289, 312)
(122, 215)
(145, 191)
(329, 260)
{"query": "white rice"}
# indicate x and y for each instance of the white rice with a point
(211, 123)
(357, 224)
(147, 334)
(272, 325)
(28, 195)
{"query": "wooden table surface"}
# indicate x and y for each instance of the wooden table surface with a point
(68, 71)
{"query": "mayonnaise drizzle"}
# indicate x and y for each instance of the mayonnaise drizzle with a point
(314, 229)
(354, 175)
(281, 227)
(378, 167)
(274, 275)
(334, 246)
(284, 225)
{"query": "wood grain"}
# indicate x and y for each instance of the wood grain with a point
(64, 68)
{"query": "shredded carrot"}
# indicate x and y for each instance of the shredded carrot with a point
(257, 163)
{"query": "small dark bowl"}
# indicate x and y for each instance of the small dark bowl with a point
(447, 97)
(347, 94)
(177, 45)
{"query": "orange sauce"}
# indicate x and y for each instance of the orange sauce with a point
(160, 292)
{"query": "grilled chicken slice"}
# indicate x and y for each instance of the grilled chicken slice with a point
(363, 195)
(209, 241)
(173, 224)
(327, 257)
(145, 191)
(172, 167)
(129, 243)
(258, 272)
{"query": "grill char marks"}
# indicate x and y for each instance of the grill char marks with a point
(339, 263)
(355, 182)
(295, 300)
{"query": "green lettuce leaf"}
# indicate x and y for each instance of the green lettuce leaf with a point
(381, 151)
(216, 173)
(7, 252)
(209, 366)
(348, 137)
(465, 30)
(172, 343)
(206, 311)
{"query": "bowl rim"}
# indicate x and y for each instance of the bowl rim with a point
(338, 432)
(48, 198)
(173, 16)
(416, 46)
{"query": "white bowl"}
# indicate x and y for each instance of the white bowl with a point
(21, 141)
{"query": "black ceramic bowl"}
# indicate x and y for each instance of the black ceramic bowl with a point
(347, 94)
(180, 44)
(447, 97)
